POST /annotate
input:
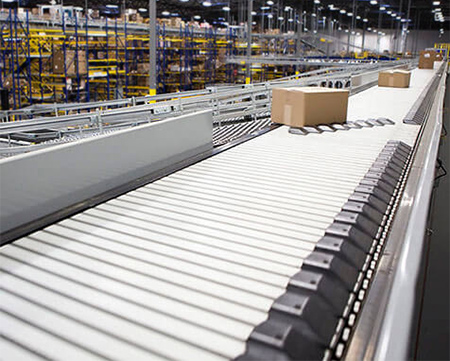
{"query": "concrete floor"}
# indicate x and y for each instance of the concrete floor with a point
(434, 336)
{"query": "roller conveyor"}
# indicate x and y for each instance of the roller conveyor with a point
(199, 264)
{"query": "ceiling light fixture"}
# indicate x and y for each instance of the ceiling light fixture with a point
(206, 3)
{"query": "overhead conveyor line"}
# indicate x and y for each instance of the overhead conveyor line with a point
(222, 256)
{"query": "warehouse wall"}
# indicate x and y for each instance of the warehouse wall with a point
(416, 40)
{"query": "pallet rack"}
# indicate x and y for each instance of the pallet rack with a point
(75, 61)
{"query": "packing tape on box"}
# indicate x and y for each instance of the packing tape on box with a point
(287, 114)
(391, 80)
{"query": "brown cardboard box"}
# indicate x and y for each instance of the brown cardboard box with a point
(426, 59)
(58, 62)
(143, 68)
(438, 57)
(304, 106)
(394, 78)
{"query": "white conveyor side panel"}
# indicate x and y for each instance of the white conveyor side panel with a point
(184, 268)
(36, 184)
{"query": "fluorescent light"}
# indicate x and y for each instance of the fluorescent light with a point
(270, 16)
(291, 20)
(253, 13)
(316, 1)
(358, 17)
(226, 8)
(369, 29)
(382, 8)
(270, 2)
(264, 7)
(373, 2)
(346, 30)
(142, 10)
(366, 20)
(393, 15)
(349, 14)
(313, 15)
(110, 6)
(398, 17)
(184, 1)
(206, 3)
(197, 17)
(436, 3)
(389, 12)
(343, 11)
(165, 13)
(280, 18)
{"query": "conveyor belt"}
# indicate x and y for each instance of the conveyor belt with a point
(230, 132)
(186, 267)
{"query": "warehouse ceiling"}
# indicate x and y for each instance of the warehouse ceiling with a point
(423, 14)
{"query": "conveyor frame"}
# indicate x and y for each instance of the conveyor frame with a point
(388, 321)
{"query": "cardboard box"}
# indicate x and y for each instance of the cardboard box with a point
(299, 107)
(143, 68)
(438, 57)
(426, 59)
(394, 78)
(58, 62)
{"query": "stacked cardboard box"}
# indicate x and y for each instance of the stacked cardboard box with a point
(394, 78)
(438, 57)
(143, 68)
(426, 59)
(71, 61)
(299, 107)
